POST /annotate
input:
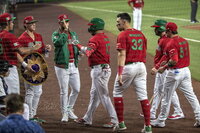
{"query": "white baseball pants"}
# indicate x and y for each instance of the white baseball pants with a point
(178, 78)
(68, 77)
(13, 81)
(133, 74)
(137, 18)
(32, 98)
(158, 95)
(99, 93)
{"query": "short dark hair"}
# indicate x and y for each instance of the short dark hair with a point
(14, 103)
(124, 16)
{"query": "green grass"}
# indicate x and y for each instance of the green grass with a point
(158, 8)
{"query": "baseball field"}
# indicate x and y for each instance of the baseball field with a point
(80, 12)
(177, 11)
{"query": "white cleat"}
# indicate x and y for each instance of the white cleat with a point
(71, 114)
(65, 118)
(176, 116)
(197, 124)
(158, 123)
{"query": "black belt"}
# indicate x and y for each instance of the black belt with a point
(101, 65)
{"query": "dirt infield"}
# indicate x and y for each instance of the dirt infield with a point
(49, 106)
(193, 27)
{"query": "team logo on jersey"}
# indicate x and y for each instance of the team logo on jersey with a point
(39, 65)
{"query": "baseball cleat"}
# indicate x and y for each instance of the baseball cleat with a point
(71, 114)
(109, 125)
(36, 119)
(82, 122)
(65, 118)
(158, 123)
(176, 116)
(122, 126)
(147, 129)
(197, 124)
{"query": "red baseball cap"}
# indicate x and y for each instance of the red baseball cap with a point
(171, 26)
(5, 17)
(63, 17)
(29, 20)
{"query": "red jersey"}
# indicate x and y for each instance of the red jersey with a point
(70, 47)
(136, 3)
(162, 45)
(135, 44)
(179, 49)
(101, 46)
(26, 41)
(8, 46)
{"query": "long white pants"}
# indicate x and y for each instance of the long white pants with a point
(68, 77)
(133, 75)
(99, 93)
(13, 81)
(158, 95)
(178, 78)
(32, 98)
(137, 18)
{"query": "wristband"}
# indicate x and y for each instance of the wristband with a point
(24, 64)
(120, 70)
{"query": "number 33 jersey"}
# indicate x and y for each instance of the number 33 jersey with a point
(135, 44)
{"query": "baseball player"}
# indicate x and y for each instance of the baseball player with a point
(131, 46)
(160, 78)
(98, 53)
(66, 66)
(137, 6)
(9, 49)
(29, 39)
(178, 75)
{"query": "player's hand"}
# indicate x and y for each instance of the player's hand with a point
(75, 42)
(154, 71)
(29, 68)
(48, 47)
(120, 80)
(161, 69)
(66, 26)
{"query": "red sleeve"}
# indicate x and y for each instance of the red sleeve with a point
(14, 41)
(121, 41)
(92, 46)
(172, 51)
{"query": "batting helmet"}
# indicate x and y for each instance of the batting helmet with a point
(96, 24)
(4, 66)
(160, 24)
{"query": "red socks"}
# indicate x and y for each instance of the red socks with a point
(119, 107)
(146, 111)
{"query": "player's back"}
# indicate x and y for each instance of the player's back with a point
(135, 44)
(183, 52)
(101, 44)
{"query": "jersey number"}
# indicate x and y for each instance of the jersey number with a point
(137, 44)
(1, 49)
(183, 52)
(108, 48)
